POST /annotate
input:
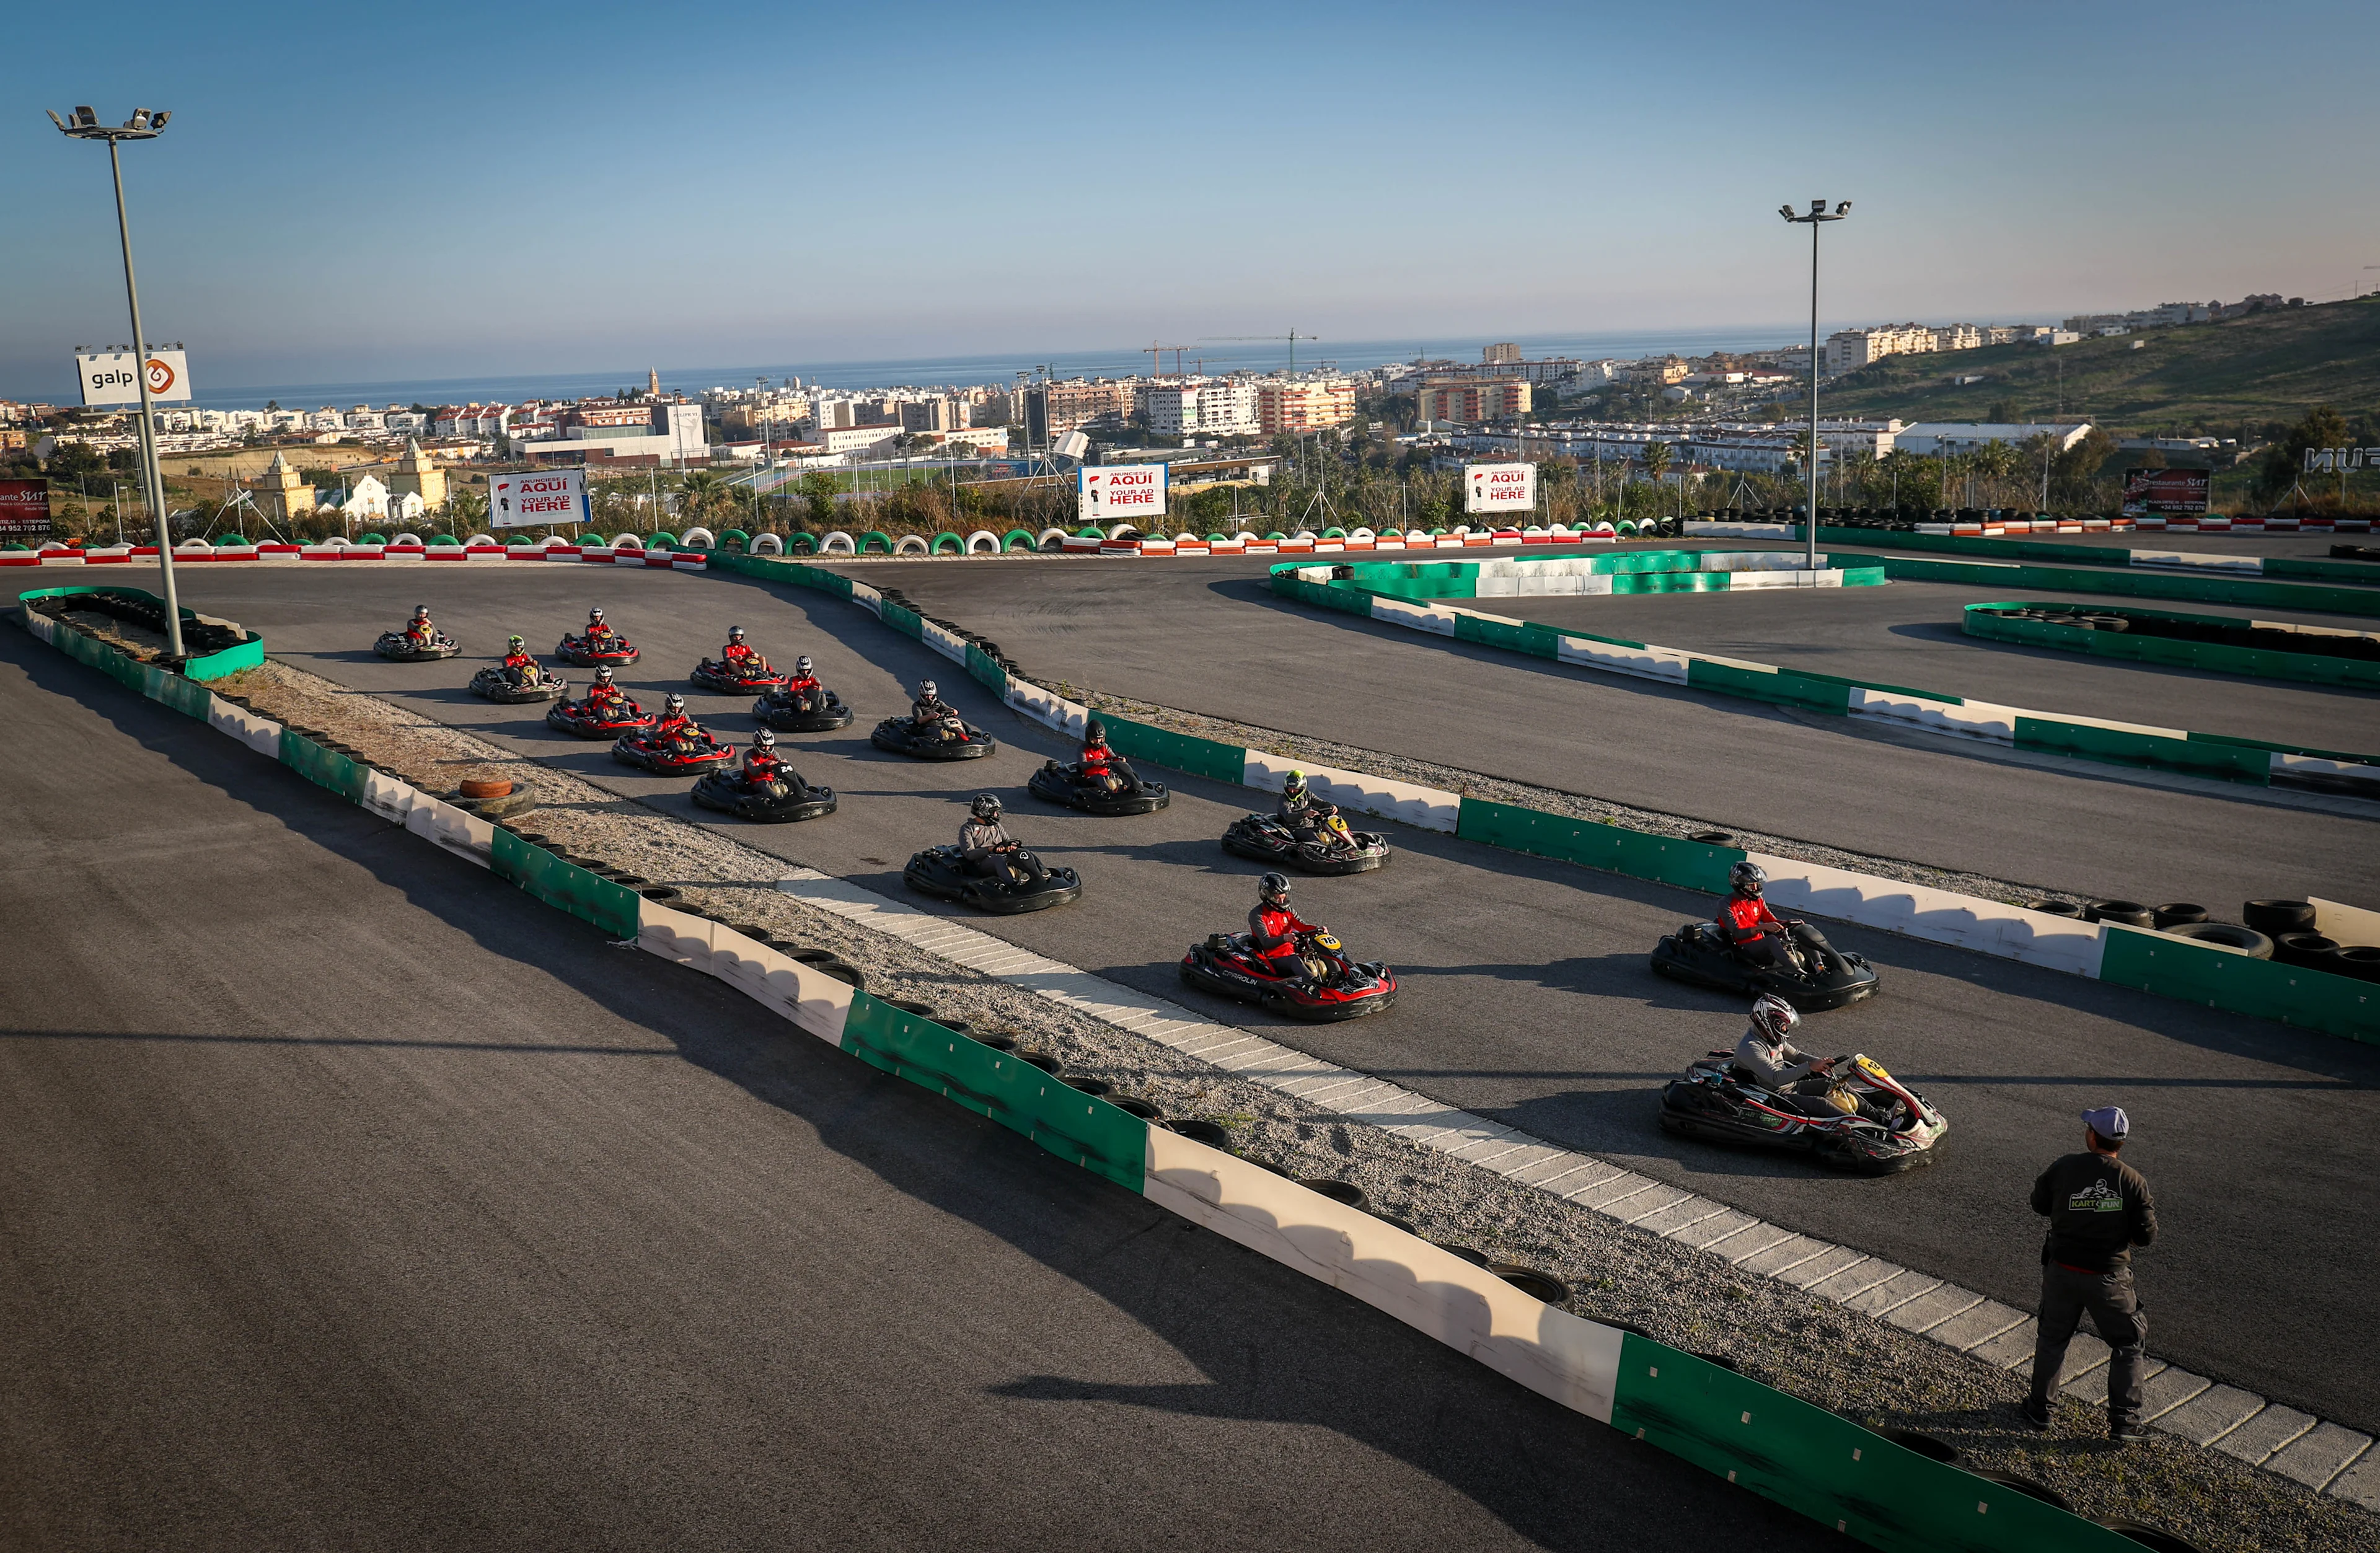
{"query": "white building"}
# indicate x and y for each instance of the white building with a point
(1937, 437)
(1201, 406)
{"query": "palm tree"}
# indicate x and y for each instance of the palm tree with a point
(1657, 459)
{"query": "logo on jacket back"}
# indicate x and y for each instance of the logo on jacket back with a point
(2097, 1197)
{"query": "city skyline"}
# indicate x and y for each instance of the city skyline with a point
(520, 197)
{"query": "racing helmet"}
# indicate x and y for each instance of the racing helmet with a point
(1274, 890)
(674, 705)
(736, 633)
(1293, 785)
(1774, 1017)
(515, 643)
(422, 611)
(1747, 878)
(603, 674)
(764, 739)
(986, 806)
(801, 665)
(927, 690)
(594, 617)
(1095, 732)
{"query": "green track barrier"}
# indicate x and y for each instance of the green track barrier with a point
(1667, 859)
(1827, 1468)
(1785, 688)
(587, 896)
(2135, 584)
(2311, 666)
(985, 671)
(1079, 1128)
(2193, 973)
(185, 696)
(1180, 752)
(2360, 572)
(1517, 635)
(323, 768)
(909, 622)
(245, 654)
(2117, 746)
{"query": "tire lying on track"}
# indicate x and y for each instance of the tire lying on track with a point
(2276, 917)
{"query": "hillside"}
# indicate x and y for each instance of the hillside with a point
(2228, 379)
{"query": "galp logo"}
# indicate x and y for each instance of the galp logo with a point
(161, 376)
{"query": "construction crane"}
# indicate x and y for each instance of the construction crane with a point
(1292, 337)
(1156, 366)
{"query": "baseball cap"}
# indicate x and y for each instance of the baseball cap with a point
(2108, 1122)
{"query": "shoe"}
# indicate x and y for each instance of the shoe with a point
(2128, 1432)
(2034, 1419)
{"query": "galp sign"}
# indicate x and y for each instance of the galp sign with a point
(110, 377)
(543, 496)
(1121, 493)
(1493, 488)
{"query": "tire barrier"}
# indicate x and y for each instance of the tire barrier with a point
(2214, 643)
(2308, 567)
(1398, 593)
(2214, 974)
(216, 648)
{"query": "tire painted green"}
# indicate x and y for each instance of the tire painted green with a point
(1275, 537)
(1218, 538)
(735, 538)
(1088, 533)
(874, 540)
(958, 546)
(1333, 532)
(1020, 538)
(373, 539)
(437, 539)
(802, 542)
(663, 540)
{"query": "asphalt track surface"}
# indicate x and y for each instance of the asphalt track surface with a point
(1526, 993)
(352, 1199)
(1211, 637)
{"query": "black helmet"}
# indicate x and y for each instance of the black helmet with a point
(1774, 1017)
(677, 703)
(1293, 784)
(764, 739)
(801, 665)
(736, 633)
(603, 674)
(1274, 889)
(1747, 878)
(985, 806)
(1095, 732)
(927, 690)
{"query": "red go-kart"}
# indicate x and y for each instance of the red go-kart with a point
(1327, 985)
(673, 754)
(594, 651)
(598, 720)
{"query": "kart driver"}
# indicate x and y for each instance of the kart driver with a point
(604, 692)
(986, 848)
(932, 714)
(761, 766)
(1099, 762)
(1273, 928)
(802, 684)
(517, 662)
(1745, 921)
(418, 628)
(673, 726)
(735, 655)
(1774, 1062)
(1307, 816)
(596, 629)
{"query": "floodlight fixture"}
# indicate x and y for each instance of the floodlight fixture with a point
(1842, 206)
(1817, 207)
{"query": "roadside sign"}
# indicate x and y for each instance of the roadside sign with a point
(107, 377)
(2148, 491)
(1121, 493)
(24, 509)
(1498, 487)
(539, 496)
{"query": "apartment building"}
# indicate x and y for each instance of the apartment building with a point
(1303, 404)
(1202, 407)
(1468, 400)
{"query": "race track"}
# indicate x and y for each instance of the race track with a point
(1527, 995)
(354, 1200)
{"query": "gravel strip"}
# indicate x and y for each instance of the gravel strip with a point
(1692, 1299)
(1551, 800)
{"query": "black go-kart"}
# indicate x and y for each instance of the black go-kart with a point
(1066, 784)
(725, 679)
(939, 870)
(1822, 977)
(593, 652)
(608, 720)
(399, 646)
(815, 713)
(1862, 1120)
(903, 736)
(1340, 851)
(497, 683)
(1327, 986)
(770, 803)
(670, 755)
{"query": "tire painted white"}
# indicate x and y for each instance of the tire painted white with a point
(1117, 530)
(408, 540)
(910, 544)
(991, 545)
(1050, 538)
(837, 543)
(194, 546)
(628, 541)
(697, 538)
(480, 539)
(769, 544)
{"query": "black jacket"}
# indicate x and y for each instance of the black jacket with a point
(2098, 1209)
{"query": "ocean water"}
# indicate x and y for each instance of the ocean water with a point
(963, 370)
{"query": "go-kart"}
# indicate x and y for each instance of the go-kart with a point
(400, 646)
(1340, 850)
(614, 649)
(497, 683)
(1863, 1120)
(598, 720)
(903, 736)
(939, 870)
(726, 679)
(1066, 784)
(772, 803)
(813, 712)
(1823, 977)
(1327, 986)
(671, 754)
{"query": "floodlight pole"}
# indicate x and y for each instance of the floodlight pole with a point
(1816, 217)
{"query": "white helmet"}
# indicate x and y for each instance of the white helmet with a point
(801, 665)
(1774, 1017)
(764, 739)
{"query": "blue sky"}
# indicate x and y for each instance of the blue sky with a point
(356, 194)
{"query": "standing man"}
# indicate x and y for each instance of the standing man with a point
(2098, 1208)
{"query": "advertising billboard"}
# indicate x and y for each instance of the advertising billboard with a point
(24, 509)
(1500, 488)
(1121, 493)
(2148, 492)
(536, 497)
(106, 377)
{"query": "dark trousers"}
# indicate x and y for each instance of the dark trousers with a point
(2115, 1311)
